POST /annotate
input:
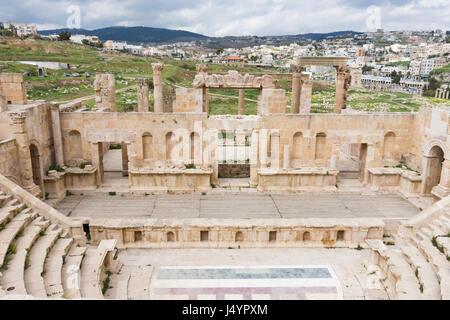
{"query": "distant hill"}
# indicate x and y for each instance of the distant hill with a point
(159, 35)
(318, 36)
(134, 34)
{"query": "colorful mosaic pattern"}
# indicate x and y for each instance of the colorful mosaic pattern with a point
(245, 283)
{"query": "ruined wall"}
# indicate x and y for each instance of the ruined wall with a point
(13, 88)
(41, 135)
(430, 129)
(327, 132)
(146, 133)
(9, 159)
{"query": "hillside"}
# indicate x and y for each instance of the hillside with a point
(126, 68)
(134, 34)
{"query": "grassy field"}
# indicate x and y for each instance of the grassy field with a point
(127, 68)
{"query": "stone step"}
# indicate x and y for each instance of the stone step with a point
(428, 232)
(406, 284)
(8, 212)
(34, 281)
(138, 286)
(424, 273)
(444, 226)
(445, 220)
(119, 284)
(53, 267)
(421, 236)
(444, 242)
(7, 235)
(13, 278)
(92, 268)
(5, 198)
(436, 230)
(439, 263)
(71, 272)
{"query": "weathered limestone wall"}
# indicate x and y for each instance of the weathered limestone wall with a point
(258, 233)
(307, 134)
(13, 88)
(105, 92)
(9, 158)
(148, 136)
(42, 135)
(3, 103)
(188, 100)
(272, 101)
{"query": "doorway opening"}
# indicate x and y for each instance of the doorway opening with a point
(115, 164)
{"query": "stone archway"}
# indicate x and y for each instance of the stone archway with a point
(432, 168)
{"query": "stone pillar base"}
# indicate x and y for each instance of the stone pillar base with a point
(34, 190)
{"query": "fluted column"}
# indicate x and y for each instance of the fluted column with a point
(241, 104)
(20, 133)
(57, 137)
(142, 93)
(157, 85)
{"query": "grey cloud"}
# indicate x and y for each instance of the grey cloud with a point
(233, 17)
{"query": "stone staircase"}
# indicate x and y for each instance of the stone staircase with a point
(39, 260)
(418, 265)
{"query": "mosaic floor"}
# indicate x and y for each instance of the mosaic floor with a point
(245, 283)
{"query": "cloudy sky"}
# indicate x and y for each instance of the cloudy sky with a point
(234, 17)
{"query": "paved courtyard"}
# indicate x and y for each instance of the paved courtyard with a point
(229, 205)
(289, 274)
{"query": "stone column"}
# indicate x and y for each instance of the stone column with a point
(342, 83)
(105, 92)
(3, 104)
(124, 150)
(305, 97)
(157, 85)
(19, 129)
(97, 161)
(142, 93)
(241, 105)
(57, 137)
(254, 157)
(296, 88)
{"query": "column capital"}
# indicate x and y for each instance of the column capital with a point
(157, 67)
(296, 68)
(142, 81)
(18, 117)
(201, 68)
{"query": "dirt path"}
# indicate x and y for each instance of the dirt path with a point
(93, 96)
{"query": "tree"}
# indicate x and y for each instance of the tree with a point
(64, 36)
(433, 84)
(219, 51)
(85, 42)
